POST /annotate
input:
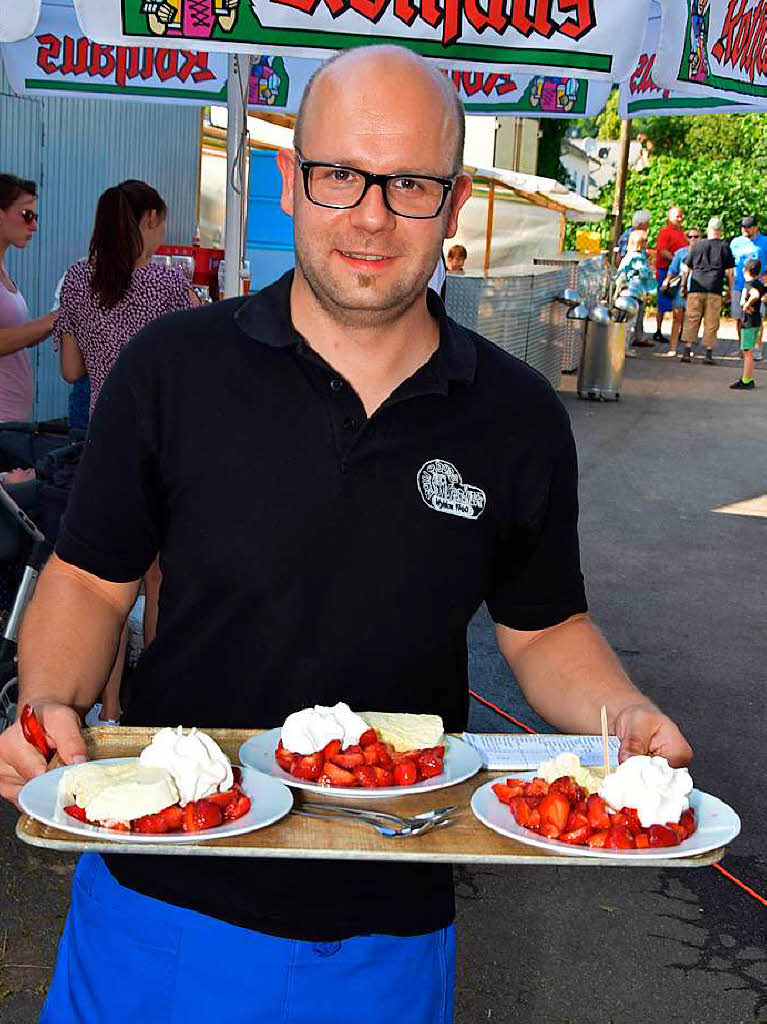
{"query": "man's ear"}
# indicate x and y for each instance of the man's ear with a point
(459, 194)
(286, 162)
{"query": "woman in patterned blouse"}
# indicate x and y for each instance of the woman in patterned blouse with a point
(106, 299)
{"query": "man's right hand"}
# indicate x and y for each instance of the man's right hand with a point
(20, 761)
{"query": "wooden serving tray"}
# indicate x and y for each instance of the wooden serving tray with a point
(465, 841)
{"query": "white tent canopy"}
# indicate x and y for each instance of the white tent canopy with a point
(543, 192)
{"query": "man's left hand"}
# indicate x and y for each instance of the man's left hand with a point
(644, 729)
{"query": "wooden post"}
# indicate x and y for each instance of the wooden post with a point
(489, 232)
(620, 188)
(562, 229)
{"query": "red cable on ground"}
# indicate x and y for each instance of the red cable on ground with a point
(527, 728)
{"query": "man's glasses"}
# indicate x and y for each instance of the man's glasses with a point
(420, 196)
(692, 236)
(29, 216)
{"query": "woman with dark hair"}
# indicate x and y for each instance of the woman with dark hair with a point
(113, 294)
(105, 300)
(18, 224)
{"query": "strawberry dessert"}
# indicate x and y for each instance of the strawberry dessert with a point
(181, 782)
(644, 804)
(336, 747)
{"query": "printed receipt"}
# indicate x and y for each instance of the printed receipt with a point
(507, 751)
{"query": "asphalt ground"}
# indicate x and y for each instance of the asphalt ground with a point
(678, 591)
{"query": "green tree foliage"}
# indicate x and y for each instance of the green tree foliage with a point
(549, 164)
(729, 137)
(606, 125)
(729, 190)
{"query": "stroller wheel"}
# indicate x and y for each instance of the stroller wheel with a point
(9, 696)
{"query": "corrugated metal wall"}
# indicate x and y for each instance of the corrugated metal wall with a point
(75, 149)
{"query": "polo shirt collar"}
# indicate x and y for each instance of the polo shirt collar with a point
(265, 317)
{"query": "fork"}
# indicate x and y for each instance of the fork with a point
(380, 828)
(370, 812)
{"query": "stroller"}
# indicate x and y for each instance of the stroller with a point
(55, 466)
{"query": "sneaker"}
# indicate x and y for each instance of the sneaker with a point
(686, 358)
(742, 385)
(92, 718)
(670, 354)
(758, 355)
(709, 361)
(643, 343)
(658, 336)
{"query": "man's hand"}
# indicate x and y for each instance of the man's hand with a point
(644, 729)
(20, 761)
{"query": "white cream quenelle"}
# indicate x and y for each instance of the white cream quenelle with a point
(198, 765)
(658, 792)
(311, 729)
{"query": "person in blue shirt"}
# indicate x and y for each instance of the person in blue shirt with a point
(679, 301)
(749, 245)
(639, 222)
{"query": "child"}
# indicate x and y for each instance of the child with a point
(751, 301)
(634, 267)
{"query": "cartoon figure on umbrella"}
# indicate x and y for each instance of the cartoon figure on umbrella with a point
(699, 31)
(191, 19)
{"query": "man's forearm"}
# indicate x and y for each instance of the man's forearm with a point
(68, 639)
(569, 672)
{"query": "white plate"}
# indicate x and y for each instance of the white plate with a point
(269, 801)
(716, 823)
(461, 762)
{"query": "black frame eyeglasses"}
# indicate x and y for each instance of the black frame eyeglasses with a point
(30, 216)
(384, 181)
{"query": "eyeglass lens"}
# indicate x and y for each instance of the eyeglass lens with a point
(342, 188)
(29, 216)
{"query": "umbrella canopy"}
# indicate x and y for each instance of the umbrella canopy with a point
(575, 38)
(640, 95)
(714, 49)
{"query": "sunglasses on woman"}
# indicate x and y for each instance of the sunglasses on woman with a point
(29, 216)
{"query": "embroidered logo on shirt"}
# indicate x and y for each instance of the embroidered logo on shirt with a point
(441, 487)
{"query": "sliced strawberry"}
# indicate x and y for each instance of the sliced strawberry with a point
(520, 810)
(368, 738)
(619, 820)
(597, 812)
(429, 764)
(555, 810)
(619, 838)
(384, 776)
(331, 749)
(634, 825)
(597, 839)
(309, 766)
(151, 824)
(687, 821)
(238, 807)
(76, 812)
(642, 841)
(173, 816)
(535, 818)
(224, 798)
(199, 815)
(405, 773)
(576, 836)
(283, 757)
(115, 826)
(333, 775)
(566, 785)
(659, 835)
(577, 820)
(347, 760)
(549, 831)
(365, 774)
(506, 793)
(538, 787)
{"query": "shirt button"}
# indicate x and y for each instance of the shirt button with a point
(350, 424)
(336, 384)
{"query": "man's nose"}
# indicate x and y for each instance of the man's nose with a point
(372, 213)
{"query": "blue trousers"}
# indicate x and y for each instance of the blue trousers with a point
(125, 958)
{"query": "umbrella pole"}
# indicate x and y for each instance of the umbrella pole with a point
(237, 153)
(489, 231)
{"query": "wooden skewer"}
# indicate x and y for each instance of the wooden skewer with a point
(605, 745)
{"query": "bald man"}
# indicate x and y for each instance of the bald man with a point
(394, 471)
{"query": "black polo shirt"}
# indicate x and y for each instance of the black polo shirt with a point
(310, 555)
